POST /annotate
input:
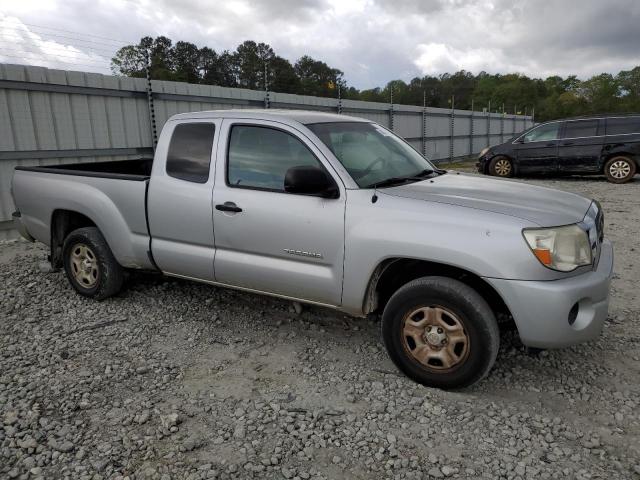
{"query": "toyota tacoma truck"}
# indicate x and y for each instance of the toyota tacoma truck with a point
(340, 212)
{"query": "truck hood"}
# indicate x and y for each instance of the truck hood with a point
(545, 207)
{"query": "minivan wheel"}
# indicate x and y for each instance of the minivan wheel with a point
(620, 169)
(501, 167)
(89, 264)
(440, 333)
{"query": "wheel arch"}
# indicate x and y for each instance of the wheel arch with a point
(391, 274)
(621, 153)
(64, 222)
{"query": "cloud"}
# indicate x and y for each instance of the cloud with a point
(438, 57)
(372, 41)
(18, 44)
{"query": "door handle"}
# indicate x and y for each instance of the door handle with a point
(568, 143)
(550, 144)
(228, 207)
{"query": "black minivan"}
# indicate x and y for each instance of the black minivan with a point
(603, 144)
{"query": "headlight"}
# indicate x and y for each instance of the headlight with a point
(484, 151)
(559, 248)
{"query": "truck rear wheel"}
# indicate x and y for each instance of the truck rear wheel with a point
(440, 333)
(89, 264)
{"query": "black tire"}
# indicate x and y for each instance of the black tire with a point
(620, 169)
(101, 276)
(464, 305)
(501, 166)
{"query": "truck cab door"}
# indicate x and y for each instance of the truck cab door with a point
(537, 150)
(580, 146)
(179, 199)
(267, 239)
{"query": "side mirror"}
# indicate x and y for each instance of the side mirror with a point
(309, 181)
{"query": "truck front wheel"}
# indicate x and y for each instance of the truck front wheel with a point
(89, 264)
(440, 332)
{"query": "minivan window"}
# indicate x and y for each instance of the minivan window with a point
(548, 131)
(189, 154)
(581, 128)
(259, 157)
(623, 125)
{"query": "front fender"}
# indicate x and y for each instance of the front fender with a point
(484, 243)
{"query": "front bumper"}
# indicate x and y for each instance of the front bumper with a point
(542, 309)
(481, 163)
(19, 226)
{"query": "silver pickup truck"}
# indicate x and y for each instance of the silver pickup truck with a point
(339, 212)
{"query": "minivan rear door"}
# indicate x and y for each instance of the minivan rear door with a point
(537, 150)
(580, 146)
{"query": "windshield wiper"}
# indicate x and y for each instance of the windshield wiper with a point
(389, 182)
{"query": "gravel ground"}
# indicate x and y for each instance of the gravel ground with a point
(174, 380)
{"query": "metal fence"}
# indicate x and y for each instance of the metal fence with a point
(52, 116)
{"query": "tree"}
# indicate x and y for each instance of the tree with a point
(282, 76)
(552, 97)
(129, 61)
(208, 66)
(186, 61)
(601, 93)
(250, 59)
(217, 69)
(460, 85)
(132, 59)
(161, 57)
(372, 95)
(401, 92)
(629, 82)
(317, 78)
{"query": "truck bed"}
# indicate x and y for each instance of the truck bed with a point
(112, 195)
(139, 169)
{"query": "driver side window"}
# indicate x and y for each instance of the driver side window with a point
(543, 133)
(259, 157)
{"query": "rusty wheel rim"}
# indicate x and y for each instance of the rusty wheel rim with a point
(84, 265)
(435, 338)
(503, 167)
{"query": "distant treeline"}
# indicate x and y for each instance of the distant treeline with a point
(553, 97)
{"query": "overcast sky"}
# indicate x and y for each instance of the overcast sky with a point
(372, 41)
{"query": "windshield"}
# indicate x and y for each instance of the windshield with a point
(371, 154)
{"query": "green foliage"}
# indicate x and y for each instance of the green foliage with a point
(317, 78)
(553, 97)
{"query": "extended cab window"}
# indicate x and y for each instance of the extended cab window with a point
(543, 133)
(623, 125)
(259, 157)
(581, 128)
(190, 152)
